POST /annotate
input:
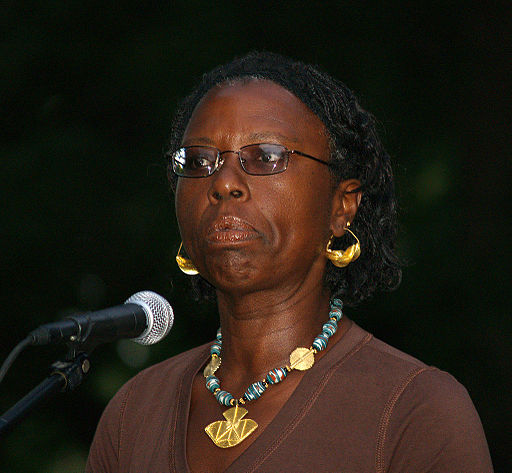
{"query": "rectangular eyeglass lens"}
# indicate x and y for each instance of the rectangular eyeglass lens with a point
(178, 162)
(265, 159)
(196, 161)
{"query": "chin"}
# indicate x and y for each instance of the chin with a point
(231, 271)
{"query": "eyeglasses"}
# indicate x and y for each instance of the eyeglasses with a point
(259, 159)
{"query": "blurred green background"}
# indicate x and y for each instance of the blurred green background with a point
(88, 89)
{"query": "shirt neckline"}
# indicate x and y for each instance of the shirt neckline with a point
(285, 421)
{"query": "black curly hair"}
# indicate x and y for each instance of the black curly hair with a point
(356, 152)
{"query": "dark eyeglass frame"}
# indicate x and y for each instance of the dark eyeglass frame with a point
(219, 161)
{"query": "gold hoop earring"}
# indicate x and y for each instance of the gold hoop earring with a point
(186, 264)
(340, 258)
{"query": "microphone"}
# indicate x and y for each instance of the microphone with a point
(145, 317)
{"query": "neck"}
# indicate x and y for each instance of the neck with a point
(260, 330)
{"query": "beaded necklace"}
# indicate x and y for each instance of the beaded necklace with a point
(235, 429)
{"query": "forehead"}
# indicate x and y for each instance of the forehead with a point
(254, 110)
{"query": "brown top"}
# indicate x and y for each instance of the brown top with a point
(363, 407)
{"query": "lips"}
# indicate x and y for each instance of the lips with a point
(230, 229)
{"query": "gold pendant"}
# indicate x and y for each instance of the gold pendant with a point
(230, 432)
(302, 358)
(212, 366)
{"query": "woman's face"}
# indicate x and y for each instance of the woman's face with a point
(250, 233)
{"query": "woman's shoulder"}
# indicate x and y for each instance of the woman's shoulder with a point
(159, 381)
(397, 384)
(173, 366)
(407, 380)
(141, 407)
(165, 373)
(376, 358)
(421, 412)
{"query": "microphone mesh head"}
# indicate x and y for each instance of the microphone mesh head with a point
(159, 314)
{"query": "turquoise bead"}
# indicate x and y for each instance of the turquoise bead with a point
(276, 375)
(337, 303)
(329, 328)
(212, 383)
(254, 391)
(223, 397)
(215, 349)
(336, 313)
(320, 342)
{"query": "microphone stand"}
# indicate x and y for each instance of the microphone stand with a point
(65, 376)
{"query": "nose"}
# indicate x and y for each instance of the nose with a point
(229, 181)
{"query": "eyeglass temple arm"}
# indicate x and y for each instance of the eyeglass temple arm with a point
(310, 157)
(358, 189)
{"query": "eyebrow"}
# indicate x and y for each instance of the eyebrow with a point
(253, 138)
(202, 140)
(271, 135)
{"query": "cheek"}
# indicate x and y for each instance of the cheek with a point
(179, 200)
(185, 206)
(300, 208)
(309, 197)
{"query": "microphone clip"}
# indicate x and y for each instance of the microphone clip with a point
(65, 376)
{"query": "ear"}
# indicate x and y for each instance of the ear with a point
(345, 202)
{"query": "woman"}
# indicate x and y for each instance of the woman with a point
(274, 165)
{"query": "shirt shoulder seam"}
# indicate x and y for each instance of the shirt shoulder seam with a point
(387, 413)
(122, 411)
